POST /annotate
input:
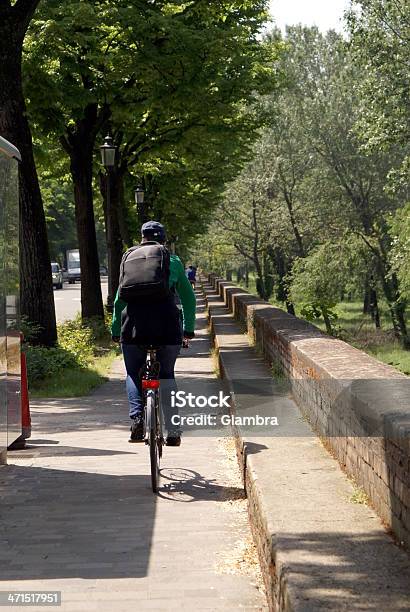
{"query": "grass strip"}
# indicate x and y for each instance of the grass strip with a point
(75, 382)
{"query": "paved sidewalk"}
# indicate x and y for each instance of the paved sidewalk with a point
(78, 514)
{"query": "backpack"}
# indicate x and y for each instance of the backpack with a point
(144, 273)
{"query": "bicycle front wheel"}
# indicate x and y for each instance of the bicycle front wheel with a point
(153, 440)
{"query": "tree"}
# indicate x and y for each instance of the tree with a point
(195, 115)
(246, 220)
(67, 104)
(380, 32)
(151, 71)
(37, 302)
(214, 251)
(400, 255)
(324, 81)
(271, 221)
(315, 182)
(380, 45)
(317, 281)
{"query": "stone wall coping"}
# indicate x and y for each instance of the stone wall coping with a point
(338, 366)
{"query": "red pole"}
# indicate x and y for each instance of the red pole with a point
(25, 404)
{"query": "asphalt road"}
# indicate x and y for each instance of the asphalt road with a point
(68, 300)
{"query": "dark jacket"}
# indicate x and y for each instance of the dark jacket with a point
(160, 322)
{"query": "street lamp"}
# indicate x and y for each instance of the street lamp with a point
(139, 194)
(108, 150)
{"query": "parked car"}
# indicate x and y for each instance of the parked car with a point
(103, 270)
(57, 275)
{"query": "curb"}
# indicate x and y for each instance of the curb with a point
(277, 590)
(278, 598)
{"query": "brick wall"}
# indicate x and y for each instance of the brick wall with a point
(358, 405)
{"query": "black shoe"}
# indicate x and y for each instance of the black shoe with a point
(173, 439)
(137, 430)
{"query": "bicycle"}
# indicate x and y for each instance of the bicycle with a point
(153, 433)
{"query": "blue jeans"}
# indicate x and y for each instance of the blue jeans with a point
(134, 358)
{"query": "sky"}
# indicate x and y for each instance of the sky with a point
(326, 14)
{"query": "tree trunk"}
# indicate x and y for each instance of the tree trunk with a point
(374, 308)
(366, 299)
(391, 290)
(247, 275)
(260, 286)
(36, 289)
(295, 228)
(124, 229)
(81, 158)
(282, 291)
(290, 308)
(267, 276)
(110, 186)
(329, 328)
(260, 289)
(397, 308)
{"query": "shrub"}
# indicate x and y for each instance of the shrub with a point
(29, 330)
(43, 362)
(78, 340)
(100, 329)
(76, 346)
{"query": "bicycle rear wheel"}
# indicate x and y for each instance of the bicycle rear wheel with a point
(153, 440)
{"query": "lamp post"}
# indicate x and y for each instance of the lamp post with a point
(139, 195)
(172, 243)
(108, 151)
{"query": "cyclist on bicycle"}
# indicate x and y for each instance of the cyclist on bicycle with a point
(153, 321)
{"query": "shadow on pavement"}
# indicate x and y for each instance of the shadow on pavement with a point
(70, 524)
(252, 448)
(31, 451)
(348, 566)
(186, 485)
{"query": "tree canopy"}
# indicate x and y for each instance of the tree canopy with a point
(315, 186)
(175, 82)
(380, 31)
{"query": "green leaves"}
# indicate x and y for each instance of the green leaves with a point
(400, 255)
(175, 81)
(325, 274)
(313, 200)
(380, 31)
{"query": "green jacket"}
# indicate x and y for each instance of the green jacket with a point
(177, 281)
